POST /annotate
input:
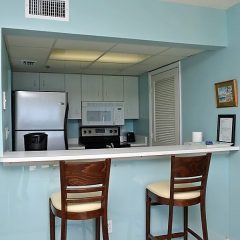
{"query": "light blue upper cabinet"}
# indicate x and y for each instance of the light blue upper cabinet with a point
(113, 88)
(52, 82)
(73, 88)
(92, 88)
(131, 98)
(24, 81)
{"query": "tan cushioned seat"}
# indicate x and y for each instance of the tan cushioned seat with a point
(162, 189)
(76, 207)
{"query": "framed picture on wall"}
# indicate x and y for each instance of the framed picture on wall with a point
(226, 128)
(226, 94)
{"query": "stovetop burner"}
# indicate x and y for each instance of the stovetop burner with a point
(101, 137)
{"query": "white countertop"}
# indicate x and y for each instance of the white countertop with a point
(114, 153)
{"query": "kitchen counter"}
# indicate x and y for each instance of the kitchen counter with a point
(136, 153)
(141, 141)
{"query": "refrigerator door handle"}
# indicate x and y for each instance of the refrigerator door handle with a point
(65, 127)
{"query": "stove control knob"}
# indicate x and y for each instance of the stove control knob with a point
(89, 131)
(84, 131)
(111, 131)
(115, 131)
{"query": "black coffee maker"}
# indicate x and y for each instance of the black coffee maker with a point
(130, 137)
(35, 141)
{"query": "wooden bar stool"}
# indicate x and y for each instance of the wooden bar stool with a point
(187, 187)
(84, 195)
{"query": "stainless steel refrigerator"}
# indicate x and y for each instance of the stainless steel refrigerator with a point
(40, 112)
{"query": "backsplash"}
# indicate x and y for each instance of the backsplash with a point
(73, 127)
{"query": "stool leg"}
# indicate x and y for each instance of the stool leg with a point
(204, 220)
(148, 214)
(98, 228)
(52, 222)
(105, 225)
(185, 220)
(170, 221)
(63, 229)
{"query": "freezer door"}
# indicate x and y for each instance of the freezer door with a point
(40, 110)
(55, 140)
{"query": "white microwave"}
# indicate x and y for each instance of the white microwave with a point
(102, 113)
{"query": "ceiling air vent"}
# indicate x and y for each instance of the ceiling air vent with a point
(47, 9)
(28, 63)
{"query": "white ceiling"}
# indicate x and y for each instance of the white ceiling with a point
(38, 48)
(221, 4)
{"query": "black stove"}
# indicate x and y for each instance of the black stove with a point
(101, 137)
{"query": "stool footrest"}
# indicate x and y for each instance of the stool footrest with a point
(163, 237)
(194, 234)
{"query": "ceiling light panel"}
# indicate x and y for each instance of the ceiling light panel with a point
(74, 55)
(122, 58)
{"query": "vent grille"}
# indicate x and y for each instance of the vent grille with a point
(28, 63)
(47, 9)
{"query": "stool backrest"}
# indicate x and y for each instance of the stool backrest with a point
(88, 179)
(192, 171)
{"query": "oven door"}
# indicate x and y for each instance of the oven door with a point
(94, 116)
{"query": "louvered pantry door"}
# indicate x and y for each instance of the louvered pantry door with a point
(166, 108)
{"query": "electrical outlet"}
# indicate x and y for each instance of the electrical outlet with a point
(109, 226)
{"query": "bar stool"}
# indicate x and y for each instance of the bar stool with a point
(186, 187)
(84, 195)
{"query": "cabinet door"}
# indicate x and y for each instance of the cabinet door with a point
(113, 88)
(131, 107)
(92, 88)
(24, 81)
(52, 82)
(73, 88)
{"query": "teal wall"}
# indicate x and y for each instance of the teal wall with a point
(6, 86)
(136, 19)
(141, 127)
(199, 74)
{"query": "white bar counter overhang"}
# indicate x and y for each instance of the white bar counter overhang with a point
(134, 153)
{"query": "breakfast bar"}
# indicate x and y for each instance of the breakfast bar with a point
(135, 153)
(31, 177)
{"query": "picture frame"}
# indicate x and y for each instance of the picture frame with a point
(226, 94)
(226, 128)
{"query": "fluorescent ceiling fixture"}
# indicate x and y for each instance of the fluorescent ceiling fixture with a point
(74, 55)
(122, 58)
